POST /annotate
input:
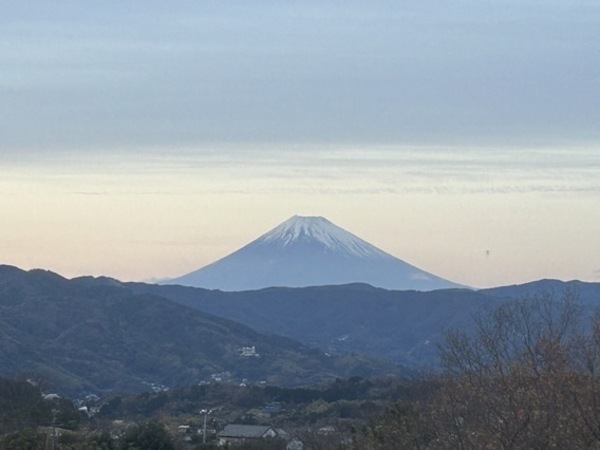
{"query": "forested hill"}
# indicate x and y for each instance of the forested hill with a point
(95, 335)
(402, 326)
(103, 336)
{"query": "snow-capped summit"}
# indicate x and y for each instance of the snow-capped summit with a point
(310, 251)
(301, 229)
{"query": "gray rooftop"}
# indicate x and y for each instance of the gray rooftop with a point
(244, 431)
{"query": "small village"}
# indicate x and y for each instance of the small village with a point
(216, 414)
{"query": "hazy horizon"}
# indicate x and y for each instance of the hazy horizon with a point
(145, 140)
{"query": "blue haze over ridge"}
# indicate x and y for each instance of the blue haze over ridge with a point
(310, 251)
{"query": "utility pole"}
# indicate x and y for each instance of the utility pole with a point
(54, 411)
(206, 412)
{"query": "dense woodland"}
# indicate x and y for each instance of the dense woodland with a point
(526, 378)
(95, 336)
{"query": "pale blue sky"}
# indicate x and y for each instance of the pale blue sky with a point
(184, 73)
(145, 139)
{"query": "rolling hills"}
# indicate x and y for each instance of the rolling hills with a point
(104, 336)
(403, 327)
(96, 335)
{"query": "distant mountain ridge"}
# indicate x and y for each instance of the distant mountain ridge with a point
(102, 335)
(97, 335)
(400, 326)
(310, 251)
(403, 327)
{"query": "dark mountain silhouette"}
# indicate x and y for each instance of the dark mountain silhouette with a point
(96, 335)
(401, 326)
(588, 293)
(104, 336)
(310, 251)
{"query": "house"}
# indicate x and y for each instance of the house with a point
(272, 407)
(183, 429)
(249, 351)
(325, 431)
(295, 444)
(235, 434)
(50, 396)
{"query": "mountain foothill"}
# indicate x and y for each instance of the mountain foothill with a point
(305, 303)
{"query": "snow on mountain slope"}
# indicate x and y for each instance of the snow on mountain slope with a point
(310, 251)
(322, 231)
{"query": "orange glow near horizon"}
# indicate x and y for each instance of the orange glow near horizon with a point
(151, 218)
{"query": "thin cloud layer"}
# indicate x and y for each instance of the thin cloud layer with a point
(144, 139)
(137, 74)
(325, 170)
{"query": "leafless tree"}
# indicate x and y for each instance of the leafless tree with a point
(526, 378)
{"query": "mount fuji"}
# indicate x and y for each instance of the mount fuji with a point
(310, 251)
